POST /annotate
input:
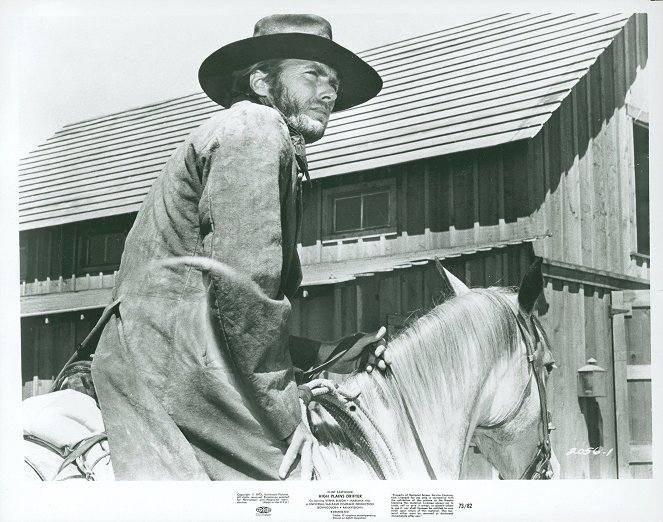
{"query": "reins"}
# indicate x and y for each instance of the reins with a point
(70, 455)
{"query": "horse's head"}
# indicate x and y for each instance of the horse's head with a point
(513, 427)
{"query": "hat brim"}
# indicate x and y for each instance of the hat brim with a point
(359, 82)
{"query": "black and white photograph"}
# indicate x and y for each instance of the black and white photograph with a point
(304, 261)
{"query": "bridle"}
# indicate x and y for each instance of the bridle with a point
(539, 467)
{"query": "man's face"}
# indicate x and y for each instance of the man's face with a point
(305, 93)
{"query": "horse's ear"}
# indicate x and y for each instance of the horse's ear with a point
(531, 286)
(452, 286)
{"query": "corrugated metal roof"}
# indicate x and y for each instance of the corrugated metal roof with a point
(480, 84)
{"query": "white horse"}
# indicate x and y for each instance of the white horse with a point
(473, 368)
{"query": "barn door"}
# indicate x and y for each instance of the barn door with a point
(631, 336)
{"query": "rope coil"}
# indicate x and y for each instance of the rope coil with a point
(358, 425)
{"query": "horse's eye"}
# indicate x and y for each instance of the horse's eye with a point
(550, 367)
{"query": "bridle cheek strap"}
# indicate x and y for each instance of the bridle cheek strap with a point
(540, 467)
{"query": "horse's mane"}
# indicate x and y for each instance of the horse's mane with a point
(436, 362)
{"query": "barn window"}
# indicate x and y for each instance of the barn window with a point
(360, 209)
(641, 161)
(104, 249)
(101, 244)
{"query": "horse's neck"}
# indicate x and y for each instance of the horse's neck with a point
(445, 372)
(429, 436)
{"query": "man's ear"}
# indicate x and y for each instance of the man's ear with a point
(258, 83)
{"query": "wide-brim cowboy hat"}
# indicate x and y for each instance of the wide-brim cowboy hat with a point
(303, 37)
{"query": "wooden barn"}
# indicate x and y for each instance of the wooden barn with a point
(491, 143)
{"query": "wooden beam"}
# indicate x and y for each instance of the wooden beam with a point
(592, 276)
(35, 305)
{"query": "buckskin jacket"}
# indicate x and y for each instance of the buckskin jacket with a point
(194, 377)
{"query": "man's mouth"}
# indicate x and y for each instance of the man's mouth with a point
(322, 115)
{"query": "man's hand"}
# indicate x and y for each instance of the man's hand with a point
(379, 357)
(301, 442)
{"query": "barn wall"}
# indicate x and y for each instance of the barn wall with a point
(577, 318)
(456, 200)
(575, 179)
(47, 343)
(583, 162)
(367, 303)
(56, 251)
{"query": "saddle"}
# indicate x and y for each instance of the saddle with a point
(64, 430)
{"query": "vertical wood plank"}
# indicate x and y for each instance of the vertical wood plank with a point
(604, 356)
(572, 432)
(370, 304)
(295, 320)
(441, 190)
(536, 161)
(501, 197)
(556, 184)
(475, 199)
(389, 292)
(348, 309)
(576, 343)
(338, 311)
(402, 188)
(312, 215)
(571, 187)
(413, 290)
(464, 207)
(599, 167)
(615, 255)
(625, 153)
(621, 389)
(427, 198)
(359, 300)
(433, 285)
(488, 189)
(585, 187)
(453, 225)
(415, 210)
(320, 316)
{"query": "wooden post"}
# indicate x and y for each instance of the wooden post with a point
(622, 421)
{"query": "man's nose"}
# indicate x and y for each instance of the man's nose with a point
(328, 93)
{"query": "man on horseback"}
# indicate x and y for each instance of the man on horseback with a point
(195, 373)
